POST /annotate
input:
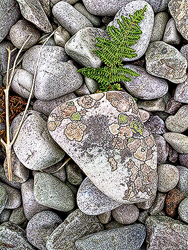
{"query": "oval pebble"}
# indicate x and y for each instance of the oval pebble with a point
(183, 210)
(126, 214)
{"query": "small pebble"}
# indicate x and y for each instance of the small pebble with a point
(18, 216)
(172, 155)
(172, 106)
(105, 217)
(183, 158)
(14, 197)
(155, 125)
(183, 180)
(126, 214)
(171, 35)
(183, 210)
(74, 173)
(160, 22)
(178, 141)
(152, 105)
(91, 84)
(162, 148)
(83, 90)
(61, 36)
(158, 204)
(5, 215)
(181, 92)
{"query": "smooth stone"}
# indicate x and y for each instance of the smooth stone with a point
(4, 178)
(40, 227)
(30, 206)
(172, 155)
(71, 19)
(145, 86)
(155, 125)
(152, 105)
(163, 231)
(183, 180)
(18, 216)
(162, 148)
(83, 90)
(127, 237)
(43, 152)
(51, 192)
(146, 25)
(67, 1)
(91, 84)
(158, 6)
(183, 158)
(165, 61)
(3, 198)
(61, 36)
(74, 174)
(14, 197)
(76, 225)
(13, 237)
(179, 122)
(5, 215)
(168, 177)
(105, 217)
(183, 210)
(92, 201)
(20, 31)
(9, 13)
(35, 14)
(126, 214)
(144, 115)
(178, 141)
(98, 147)
(146, 204)
(158, 204)
(171, 35)
(181, 92)
(49, 42)
(160, 22)
(81, 47)
(184, 51)
(172, 106)
(112, 224)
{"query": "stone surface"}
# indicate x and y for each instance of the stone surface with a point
(4, 179)
(171, 34)
(67, 1)
(91, 84)
(183, 210)
(18, 216)
(143, 216)
(112, 224)
(145, 86)
(76, 225)
(183, 158)
(158, 6)
(71, 19)
(61, 36)
(126, 214)
(92, 128)
(172, 106)
(146, 204)
(3, 198)
(35, 14)
(40, 227)
(162, 149)
(165, 61)
(154, 105)
(183, 180)
(57, 170)
(5, 215)
(129, 238)
(146, 25)
(158, 204)
(178, 141)
(83, 90)
(172, 155)
(160, 22)
(46, 6)
(74, 174)
(14, 197)
(184, 51)
(181, 92)
(105, 217)
(155, 125)
(144, 115)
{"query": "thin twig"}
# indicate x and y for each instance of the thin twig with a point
(64, 163)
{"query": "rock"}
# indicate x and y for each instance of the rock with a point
(160, 22)
(183, 158)
(9, 13)
(145, 86)
(50, 42)
(183, 210)
(57, 170)
(158, 204)
(146, 204)
(68, 1)
(158, 6)
(171, 34)
(126, 214)
(105, 217)
(183, 180)
(81, 47)
(181, 92)
(172, 155)
(4, 179)
(96, 142)
(178, 11)
(20, 31)
(14, 196)
(74, 174)
(40, 227)
(112, 224)
(184, 51)
(179, 122)
(164, 231)
(178, 141)
(154, 105)
(3, 198)
(83, 90)
(92, 201)
(155, 125)
(71, 19)
(143, 216)
(172, 106)
(46, 6)
(146, 25)
(35, 14)
(91, 84)
(76, 225)
(173, 198)
(144, 115)
(18, 216)
(61, 36)
(13, 237)
(129, 237)
(51, 192)
(5, 215)
(162, 148)
(165, 61)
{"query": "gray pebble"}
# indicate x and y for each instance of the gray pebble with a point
(183, 158)
(67, 1)
(184, 51)
(4, 179)
(155, 125)
(3, 198)
(181, 92)
(112, 224)
(178, 141)
(158, 204)
(61, 36)
(105, 217)
(57, 170)
(171, 34)
(5, 215)
(158, 6)
(46, 6)
(126, 214)
(183, 210)
(160, 22)
(18, 216)
(172, 106)
(162, 148)
(83, 90)
(183, 180)
(14, 197)
(143, 216)
(144, 115)
(152, 105)
(91, 84)
(74, 174)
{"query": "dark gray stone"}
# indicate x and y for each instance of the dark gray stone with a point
(157, 5)
(3, 198)
(14, 197)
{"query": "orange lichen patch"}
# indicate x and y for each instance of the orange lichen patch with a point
(86, 102)
(75, 130)
(114, 128)
(67, 110)
(125, 132)
(113, 163)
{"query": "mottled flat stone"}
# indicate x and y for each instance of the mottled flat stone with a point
(104, 135)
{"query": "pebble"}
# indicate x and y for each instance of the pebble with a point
(20, 31)
(162, 148)
(51, 192)
(146, 25)
(46, 6)
(127, 237)
(171, 34)
(71, 19)
(81, 47)
(173, 198)
(143, 216)
(158, 204)
(146, 204)
(183, 180)
(183, 158)
(152, 105)
(181, 92)
(75, 226)
(172, 106)
(35, 14)
(98, 148)
(105, 217)
(145, 86)
(160, 22)
(57, 170)
(92, 201)
(61, 36)
(18, 216)
(112, 224)
(3, 198)
(74, 174)
(178, 141)
(144, 115)
(158, 6)
(9, 13)
(14, 197)
(184, 51)
(4, 179)
(155, 125)
(126, 214)
(172, 155)
(165, 61)
(68, 1)
(83, 90)
(5, 215)
(183, 210)
(91, 84)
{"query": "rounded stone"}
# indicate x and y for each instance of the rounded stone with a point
(5, 215)
(91, 84)
(18, 216)
(158, 204)
(152, 105)
(61, 36)
(183, 210)
(105, 217)
(74, 174)
(83, 90)
(178, 141)
(14, 197)
(183, 158)
(158, 6)
(155, 125)
(126, 214)
(171, 34)
(144, 115)
(162, 149)
(181, 92)
(183, 180)
(160, 22)
(3, 198)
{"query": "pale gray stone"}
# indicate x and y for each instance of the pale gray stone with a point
(158, 204)
(183, 180)
(152, 105)
(126, 214)
(171, 34)
(14, 197)
(74, 174)
(3, 198)
(83, 90)
(160, 22)
(18, 216)
(181, 92)
(162, 149)
(61, 36)
(157, 5)
(105, 217)
(178, 141)
(144, 115)
(183, 210)
(91, 84)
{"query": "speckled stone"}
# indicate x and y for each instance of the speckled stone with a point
(83, 90)
(165, 61)
(76, 225)
(105, 217)
(144, 115)
(183, 158)
(91, 84)
(172, 106)
(74, 174)
(57, 170)
(172, 155)
(5, 215)
(126, 214)
(155, 125)
(183, 180)
(146, 204)
(160, 22)
(171, 34)
(184, 51)
(178, 141)
(112, 224)
(143, 216)
(104, 135)
(61, 36)
(158, 204)
(46, 6)
(18, 216)
(4, 179)
(162, 149)
(183, 210)
(3, 198)
(152, 105)
(14, 196)
(158, 6)
(181, 92)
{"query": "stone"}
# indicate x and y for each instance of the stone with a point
(158, 204)
(67, 1)
(153, 105)
(83, 90)
(126, 214)
(20, 31)
(112, 224)
(40, 227)
(144, 115)
(173, 198)
(183, 180)
(162, 149)
(155, 125)
(171, 34)
(76, 225)
(143, 216)
(9, 13)
(51, 192)
(13, 237)
(178, 141)
(127, 237)
(68, 17)
(146, 25)
(13, 196)
(181, 92)
(49, 42)
(158, 6)
(172, 106)
(57, 170)
(179, 122)
(91, 84)
(35, 14)
(184, 51)
(183, 210)
(46, 6)
(172, 155)
(183, 158)
(3, 198)
(5, 215)
(92, 201)
(91, 129)
(160, 22)
(145, 86)
(61, 36)
(165, 61)
(74, 174)
(146, 204)
(18, 216)
(81, 47)
(105, 217)
(4, 179)
(178, 10)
